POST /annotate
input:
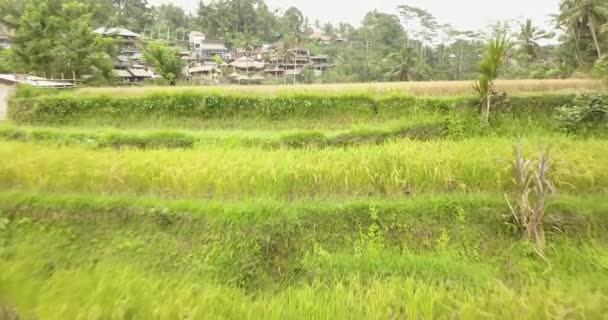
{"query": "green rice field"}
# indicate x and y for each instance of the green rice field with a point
(321, 204)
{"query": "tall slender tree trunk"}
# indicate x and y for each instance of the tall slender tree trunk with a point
(460, 61)
(577, 51)
(594, 35)
(486, 116)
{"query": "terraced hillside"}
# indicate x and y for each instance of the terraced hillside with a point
(184, 204)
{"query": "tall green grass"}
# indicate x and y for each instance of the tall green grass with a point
(396, 169)
(433, 257)
(328, 203)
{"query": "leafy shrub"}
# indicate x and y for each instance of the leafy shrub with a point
(601, 67)
(585, 114)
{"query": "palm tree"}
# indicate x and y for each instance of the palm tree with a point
(577, 14)
(489, 68)
(529, 36)
(284, 51)
(247, 42)
(405, 63)
(289, 49)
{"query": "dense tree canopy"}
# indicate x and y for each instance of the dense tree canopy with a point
(165, 60)
(53, 36)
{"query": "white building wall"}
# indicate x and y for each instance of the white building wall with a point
(5, 92)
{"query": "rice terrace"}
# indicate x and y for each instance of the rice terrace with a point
(477, 193)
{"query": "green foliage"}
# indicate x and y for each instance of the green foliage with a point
(165, 60)
(307, 76)
(585, 115)
(489, 68)
(529, 37)
(227, 19)
(601, 67)
(8, 62)
(393, 169)
(66, 108)
(582, 19)
(292, 21)
(171, 17)
(218, 60)
(405, 68)
(303, 139)
(55, 38)
(320, 258)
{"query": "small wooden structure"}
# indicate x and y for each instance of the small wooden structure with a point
(204, 72)
(247, 64)
(8, 82)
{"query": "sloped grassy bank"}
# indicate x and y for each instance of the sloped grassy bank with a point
(394, 169)
(320, 206)
(82, 256)
(192, 108)
(156, 139)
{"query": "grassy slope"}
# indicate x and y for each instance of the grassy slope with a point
(394, 169)
(404, 229)
(427, 257)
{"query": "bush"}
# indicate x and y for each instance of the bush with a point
(584, 115)
(601, 67)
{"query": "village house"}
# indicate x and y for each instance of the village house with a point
(204, 72)
(206, 49)
(247, 64)
(275, 72)
(134, 75)
(298, 58)
(320, 63)
(8, 82)
(128, 42)
(294, 62)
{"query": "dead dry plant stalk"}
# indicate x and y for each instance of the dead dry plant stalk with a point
(533, 191)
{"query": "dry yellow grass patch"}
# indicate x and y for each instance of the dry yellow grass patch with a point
(427, 88)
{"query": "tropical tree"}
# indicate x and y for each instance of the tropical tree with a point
(529, 37)
(164, 59)
(405, 65)
(54, 37)
(295, 41)
(584, 14)
(132, 14)
(11, 11)
(247, 42)
(489, 69)
(285, 52)
(7, 61)
(328, 29)
(292, 21)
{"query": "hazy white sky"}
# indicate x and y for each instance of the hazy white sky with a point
(463, 14)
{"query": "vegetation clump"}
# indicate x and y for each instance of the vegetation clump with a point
(586, 114)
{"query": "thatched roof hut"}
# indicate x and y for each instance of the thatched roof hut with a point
(246, 63)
